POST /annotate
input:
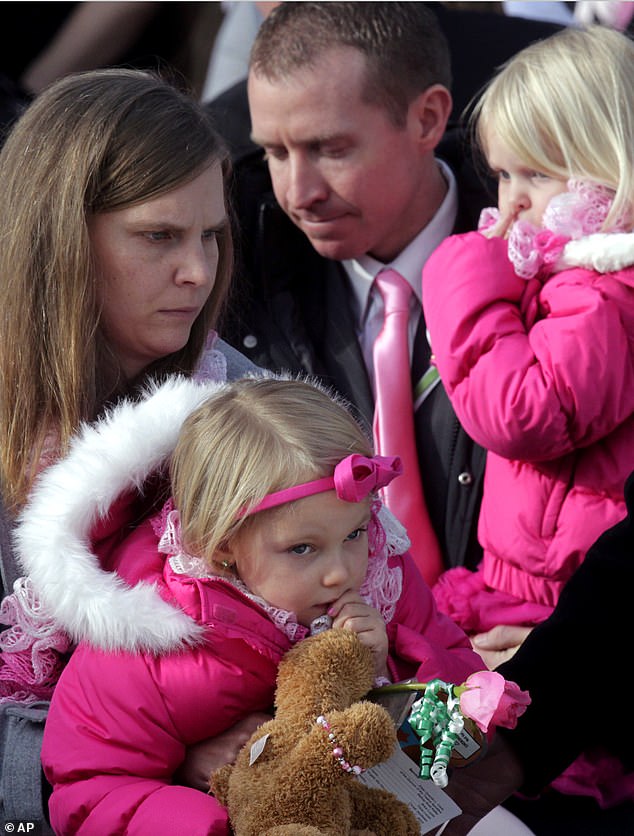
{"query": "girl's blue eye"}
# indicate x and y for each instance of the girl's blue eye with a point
(354, 535)
(301, 549)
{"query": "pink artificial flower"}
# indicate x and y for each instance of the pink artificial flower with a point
(489, 699)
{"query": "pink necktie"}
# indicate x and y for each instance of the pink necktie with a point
(394, 423)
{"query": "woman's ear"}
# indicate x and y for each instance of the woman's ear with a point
(430, 112)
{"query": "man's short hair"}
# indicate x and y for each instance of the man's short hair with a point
(405, 50)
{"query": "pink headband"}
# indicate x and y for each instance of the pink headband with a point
(354, 478)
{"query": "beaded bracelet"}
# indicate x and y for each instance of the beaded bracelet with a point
(337, 751)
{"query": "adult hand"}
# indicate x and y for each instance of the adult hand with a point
(499, 644)
(350, 612)
(482, 785)
(205, 757)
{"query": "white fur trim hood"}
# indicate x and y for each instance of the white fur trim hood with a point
(603, 252)
(52, 536)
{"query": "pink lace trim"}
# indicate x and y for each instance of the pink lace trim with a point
(32, 648)
(381, 588)
(383, 584)
(574, 214)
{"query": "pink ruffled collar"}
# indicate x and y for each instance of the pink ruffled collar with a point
(574, 214)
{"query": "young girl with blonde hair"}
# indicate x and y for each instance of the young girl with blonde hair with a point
(531, 322)
(273, 531)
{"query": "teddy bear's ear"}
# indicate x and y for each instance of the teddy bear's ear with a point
(219, 783)
(341, 672)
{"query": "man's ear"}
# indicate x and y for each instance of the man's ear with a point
(430, 112)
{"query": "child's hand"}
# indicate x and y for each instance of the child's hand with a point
(502, 228)
(351, 612)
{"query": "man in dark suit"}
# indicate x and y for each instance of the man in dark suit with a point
(374, 77)
(349, 102)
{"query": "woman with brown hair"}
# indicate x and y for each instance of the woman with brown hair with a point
(94, 150)
(115, 260)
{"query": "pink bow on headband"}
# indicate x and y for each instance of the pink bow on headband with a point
(355, 477)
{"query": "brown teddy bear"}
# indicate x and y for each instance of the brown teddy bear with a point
(297, 774)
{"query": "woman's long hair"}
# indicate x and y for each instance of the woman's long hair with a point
(93, 142)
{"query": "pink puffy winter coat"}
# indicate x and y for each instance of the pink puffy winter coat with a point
(165, 660)
(540, 373)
